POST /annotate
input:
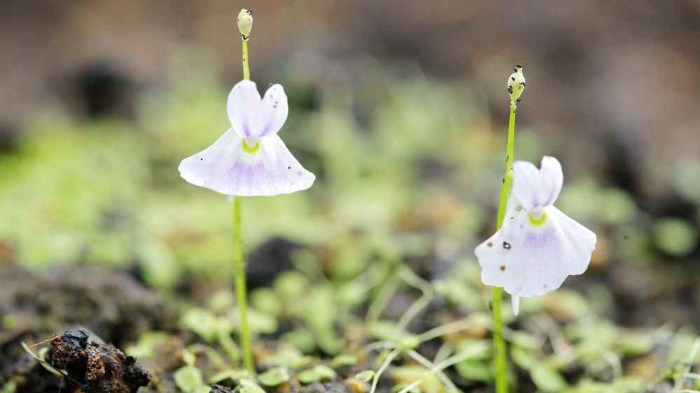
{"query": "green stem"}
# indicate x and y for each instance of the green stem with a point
(238, 261)
(245, 62)
(241, 291)
(508, 178)
(501, 362)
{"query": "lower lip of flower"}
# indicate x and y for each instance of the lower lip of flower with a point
(537, 221)
(250, 149)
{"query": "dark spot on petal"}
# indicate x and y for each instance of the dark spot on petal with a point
(503, 268)
(506, 245)
(289, 167)
(489, 244)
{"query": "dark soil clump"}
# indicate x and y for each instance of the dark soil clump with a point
(94, 367)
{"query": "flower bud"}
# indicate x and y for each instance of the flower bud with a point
(245, 23)
(516, 84)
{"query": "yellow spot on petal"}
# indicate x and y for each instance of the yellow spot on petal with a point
(250, 149)
(537, 221)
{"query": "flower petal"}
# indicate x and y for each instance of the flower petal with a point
(244, 109)
(285, 173)
(529, 259)
(515, 304)
(232, 167)
(552, 177)
(537, 188)
(274, 110)
(580, 242)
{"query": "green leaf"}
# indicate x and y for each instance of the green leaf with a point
(407, 375)
(324, 372)
(233, 375)
(261, 322)
(318, 373)
(248, 386)
(188, 357)
(547, 379)
(523, 358)
(365, 376)
(201, 322)
(9, 387)
(188, 379)
(146, 345)
(475, 370)
(265, 300)
(635, 344)
(674, 236)
(274, 376)
(343, 361)
(300, 338)
(321, 315)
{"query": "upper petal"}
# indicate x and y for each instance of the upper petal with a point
(552, 178)
(529, 259)
(244, 109)
(274, 110)
(537, 188)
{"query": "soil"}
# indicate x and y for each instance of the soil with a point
(35, 307)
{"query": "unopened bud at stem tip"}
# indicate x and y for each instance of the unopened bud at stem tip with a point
(245, 23)
(516, 84)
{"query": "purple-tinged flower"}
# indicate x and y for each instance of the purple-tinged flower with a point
(537, 246)
(250, 159)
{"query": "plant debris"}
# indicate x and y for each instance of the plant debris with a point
(95, 367)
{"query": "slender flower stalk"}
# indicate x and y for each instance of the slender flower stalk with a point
(516, 85)
(245, 24)
(241, 287)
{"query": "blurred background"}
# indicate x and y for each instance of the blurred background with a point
(400, 109)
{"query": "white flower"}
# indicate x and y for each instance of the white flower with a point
(250, 159)
(537, 246)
